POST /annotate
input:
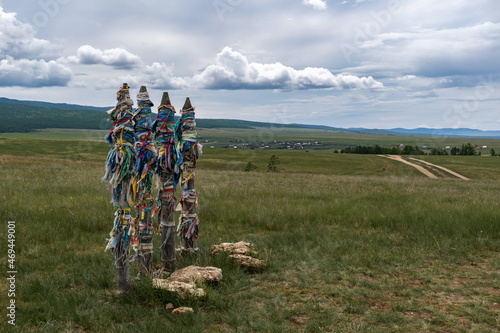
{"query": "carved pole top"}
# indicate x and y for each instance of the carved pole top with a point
(187, 104)
(165, 100)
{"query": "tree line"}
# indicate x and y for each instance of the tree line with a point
(465, 150)
(377, 149)
(26, 118)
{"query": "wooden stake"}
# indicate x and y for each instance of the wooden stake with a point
(189, 156)
(122, 148)
(145, 232)
(167, 191)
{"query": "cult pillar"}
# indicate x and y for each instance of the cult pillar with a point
(119, 173)
(168, 171)
(144, 173)
(188, 224)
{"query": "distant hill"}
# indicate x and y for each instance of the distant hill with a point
(27, 116)
(4, 100)
(440, 132)
(234, 123)
(452, 132)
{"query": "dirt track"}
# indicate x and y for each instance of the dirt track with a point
(422, 169)
(442, 168)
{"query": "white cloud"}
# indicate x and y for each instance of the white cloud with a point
(232, 70)
(33, 73)
(161, 76)
(158, 75)
(316, 4)
(17, 39)
(25, 58)
(116, 57)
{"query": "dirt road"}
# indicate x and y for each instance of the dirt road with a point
(418, 167)
(442, 168)
(422, 169)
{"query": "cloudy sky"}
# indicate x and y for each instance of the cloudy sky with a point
(343, 63)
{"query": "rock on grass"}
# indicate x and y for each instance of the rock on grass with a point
(251, 263)
(234, 248)
(182, 310)
(184, 290)
(195, 274)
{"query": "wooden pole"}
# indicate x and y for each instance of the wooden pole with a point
(146, 155)
(164, 132)
(122, 260)
(119, 172)
(188, 224)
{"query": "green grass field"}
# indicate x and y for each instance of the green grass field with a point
(221, 137)
(353, 243)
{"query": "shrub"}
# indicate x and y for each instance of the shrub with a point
(273, 164)
(250, 167)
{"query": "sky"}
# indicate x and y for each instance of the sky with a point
(341, 63)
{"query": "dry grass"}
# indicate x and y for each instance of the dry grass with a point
(345, 253)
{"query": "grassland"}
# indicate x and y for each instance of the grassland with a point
(353, 243)
(222, 137)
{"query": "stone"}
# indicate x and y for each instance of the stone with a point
(184, 290)
(182, 310)
(169, 307)
(247, 261)
(234, 248)
(196, 274)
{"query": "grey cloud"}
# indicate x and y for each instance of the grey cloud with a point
(33, 73)
(158, 75)
(425, 94)
(432, 52)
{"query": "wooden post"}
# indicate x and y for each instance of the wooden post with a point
(146, 159)
(122, 252)
(168, 171)
(119, 172)
(188, 224)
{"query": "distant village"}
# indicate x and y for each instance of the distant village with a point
(275, 145)
(305, 145)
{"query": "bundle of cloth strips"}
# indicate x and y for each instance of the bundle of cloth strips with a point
(190, 151)
(168, 171)
(119, 172)
(144, 168)
(144, 152)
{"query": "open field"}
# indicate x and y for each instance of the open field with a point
(221, 137)
(354, 243)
